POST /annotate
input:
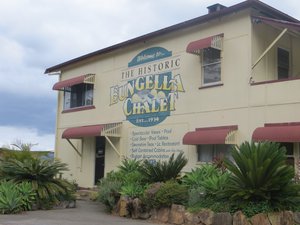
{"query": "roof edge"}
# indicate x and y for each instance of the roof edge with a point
(192, 22)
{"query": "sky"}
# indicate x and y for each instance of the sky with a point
(35, 35)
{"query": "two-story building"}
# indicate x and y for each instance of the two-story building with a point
(200, 86)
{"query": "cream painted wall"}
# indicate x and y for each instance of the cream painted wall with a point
(86, 164)
(236, 102)
(263, 36)
(112, 159)
(67, 154)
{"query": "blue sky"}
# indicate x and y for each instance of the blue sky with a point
(35, 35)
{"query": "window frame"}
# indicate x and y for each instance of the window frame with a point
(215, 152)
(203, 65)
(70, 104)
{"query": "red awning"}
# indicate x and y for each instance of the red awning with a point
(196, 46)
(87, 78)
(209, 135)
(277, 23)
(80, 132)
(277, 132)
(68, 83)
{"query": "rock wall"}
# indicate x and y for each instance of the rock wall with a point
(179, 216)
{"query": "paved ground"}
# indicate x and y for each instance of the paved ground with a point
(86, 213)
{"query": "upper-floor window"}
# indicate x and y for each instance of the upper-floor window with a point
(209, 49)
(283, 63)
(211, 66)
(78, 95)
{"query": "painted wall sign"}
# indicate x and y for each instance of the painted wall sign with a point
(150, 87)
(156, 143)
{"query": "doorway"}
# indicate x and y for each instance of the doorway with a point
(99, 158)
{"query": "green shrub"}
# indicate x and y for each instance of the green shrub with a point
(128, 172)
(109, 189)
(167, 194)
(215, 185)
(15, 198)
(195, 195)
(150, 193)
(259, 173)
(132, 190)
(129, 165)
(252, 208)
(210, 190)
(10, 198)
(207, 181)
(248, 208)
(134, 177)
(41, 175)
(27, 195)
(212, 204)
(162, 171)
(195, 178)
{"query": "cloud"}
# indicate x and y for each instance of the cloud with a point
(9, 135)
(35, 35)
(31, 112)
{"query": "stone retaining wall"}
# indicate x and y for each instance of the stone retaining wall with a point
(179, 216)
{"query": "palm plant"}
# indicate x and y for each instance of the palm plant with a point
(40, 174)
(162, 171)
(259, 172)
(22, 146)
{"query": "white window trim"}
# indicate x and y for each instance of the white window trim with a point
(202, 70)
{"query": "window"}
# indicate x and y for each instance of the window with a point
(283, 63)
(211, 66)
(289, 152)
(207, 153)
(78, 95)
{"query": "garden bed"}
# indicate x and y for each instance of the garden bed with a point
(256, 187)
